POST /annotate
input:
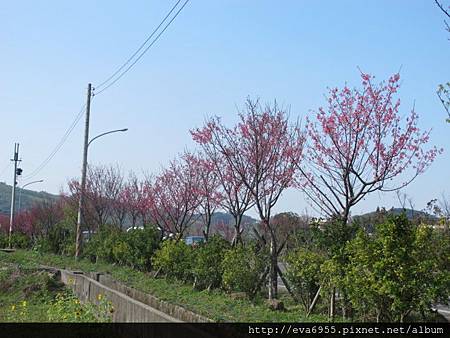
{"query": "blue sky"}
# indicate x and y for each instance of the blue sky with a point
(214, 55)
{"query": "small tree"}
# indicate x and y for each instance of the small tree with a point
(236, 197)
(209, 185)
(359, 145)
(174, 196)
(262, 151)
(303, 271)
(394, 272)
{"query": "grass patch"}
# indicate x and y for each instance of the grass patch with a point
(26, 293)
(213, 304)
(29, 294)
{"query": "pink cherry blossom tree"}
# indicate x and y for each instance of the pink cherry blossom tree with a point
(209, 185)
(236, 197)
(359, 144)
(133, 197)
(262, 151)
(174, 196)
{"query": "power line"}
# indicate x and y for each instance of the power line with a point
(145, 50)
(59, 145)
(140, 48)
(120, 74)
(4, 169)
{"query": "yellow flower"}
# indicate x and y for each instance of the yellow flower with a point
(24, 303)
(99, 296)
(13, 308)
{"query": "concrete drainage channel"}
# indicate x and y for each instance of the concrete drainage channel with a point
(130, 305)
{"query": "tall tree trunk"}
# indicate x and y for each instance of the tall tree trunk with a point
(237, 231)
(332, 305)
(207, 227)
(273, 282)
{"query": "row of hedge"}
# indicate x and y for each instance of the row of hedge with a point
(213, 264)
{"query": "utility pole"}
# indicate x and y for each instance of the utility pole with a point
(80, 218)
(13, 193)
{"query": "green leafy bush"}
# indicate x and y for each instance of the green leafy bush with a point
(175, 260)
(303, 273)
(208, 258)
(142, 244)
(42, 245)
(18, 240)
(242, 269)
(394, 272)
(134, 248)
(61, 237)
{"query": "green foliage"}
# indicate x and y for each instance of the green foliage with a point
(42, 244)
(304, 273)
(18, 240)
(67, 308)
(142, 245)
(208, 258)
(175, 260)
(214, 304)
(394, 272)
(18, 312)
(134, 248)
(101, 245)
(242, 269)
(61, 237)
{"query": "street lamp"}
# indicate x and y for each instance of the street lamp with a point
(108, 132)
(23, 187)
(83, 184)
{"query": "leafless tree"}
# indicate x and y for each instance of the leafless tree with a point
(445, 11)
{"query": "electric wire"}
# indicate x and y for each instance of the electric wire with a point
(145, 50)
(120, 72)
(139, 49)
(59, 145)
(4, 168)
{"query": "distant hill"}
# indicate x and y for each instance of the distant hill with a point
(27, 198)
(410, 213)
(369, 220)
(223, 217)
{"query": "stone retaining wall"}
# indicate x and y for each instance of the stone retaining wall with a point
(127, 309)
(172, 310)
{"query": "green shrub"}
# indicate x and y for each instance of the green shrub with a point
(62, 238)
(303, 273)
(175, 260)
(133, 248)
(42, 244)
(242, 269)
(101, 246)
(18, 240)
(142, 244)
(394, 272)
(208, 258)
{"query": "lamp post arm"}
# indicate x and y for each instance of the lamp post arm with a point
(38, 181)
(108, 132)
(22, 188)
